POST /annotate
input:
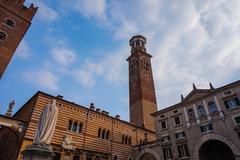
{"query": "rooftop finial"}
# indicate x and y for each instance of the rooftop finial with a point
(194, 87)
(211, 86)
(182, 98)
(10, 107)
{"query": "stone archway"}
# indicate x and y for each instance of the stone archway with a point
(147, 156)
(221, 139)
(215, 150)
(147, 153)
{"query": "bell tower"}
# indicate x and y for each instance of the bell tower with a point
(141, 85)
(15, 19)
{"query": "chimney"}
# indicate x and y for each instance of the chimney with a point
(105, 112)
(117, 116)
(98, 109)
(92, 107)
(60, 96)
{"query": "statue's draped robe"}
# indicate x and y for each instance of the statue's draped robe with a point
(46, 124)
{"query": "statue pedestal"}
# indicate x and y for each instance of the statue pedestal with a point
(38, 152)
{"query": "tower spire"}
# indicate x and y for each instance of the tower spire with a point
(211, 86)
(182, 98)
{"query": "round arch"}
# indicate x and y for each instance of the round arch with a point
(148, 151)
(212, 136)
(10, 143)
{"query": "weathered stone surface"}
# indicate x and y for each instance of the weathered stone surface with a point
(38, 152)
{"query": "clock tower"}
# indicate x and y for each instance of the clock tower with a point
(141, 85)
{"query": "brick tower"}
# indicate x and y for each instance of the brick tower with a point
(141, 85)
(15, 19)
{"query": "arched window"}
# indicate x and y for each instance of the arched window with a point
(191, 114)
(145, 64)
(99, 132)
(80, 127)
(133, 66)
(130, 140)
(103, 134)
(212, 107)
(9, 22)
(201, 111)
(74, 129)
(123, 138)
(3, 36)
(70, 125)
(107, 134)
(126, 140)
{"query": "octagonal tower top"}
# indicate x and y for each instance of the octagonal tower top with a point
(137, 43)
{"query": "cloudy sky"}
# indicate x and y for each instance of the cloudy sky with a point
(78, 49)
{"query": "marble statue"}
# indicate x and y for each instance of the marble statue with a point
(46, 124)
(68, 142)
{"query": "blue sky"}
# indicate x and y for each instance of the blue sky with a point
(78, 49)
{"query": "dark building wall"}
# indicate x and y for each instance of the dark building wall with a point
(10, 143)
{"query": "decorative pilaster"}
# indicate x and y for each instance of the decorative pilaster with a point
(196, 113)
(206, 109)
(186, 117)
(219, 108)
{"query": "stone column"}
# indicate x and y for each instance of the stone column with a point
(206, 109)
(196, 113)
(77, 128)
(219, 108)
(186, 117)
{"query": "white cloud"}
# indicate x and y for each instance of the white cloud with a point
(191, 41)
(45, 13)
(85, 78)
(115, 66)
(42, 78)
(23, 50)
(88, 8)
(87, 73)
(63, 56)
(112, 68)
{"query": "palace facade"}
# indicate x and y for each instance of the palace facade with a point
(205, 125)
